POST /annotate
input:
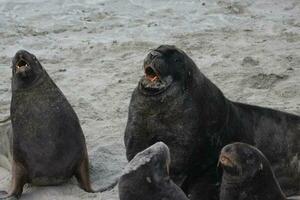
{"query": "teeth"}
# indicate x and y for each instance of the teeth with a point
(21, 66)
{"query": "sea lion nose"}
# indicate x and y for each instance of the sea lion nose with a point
(20, 53)
(154, 54)
(151, 56)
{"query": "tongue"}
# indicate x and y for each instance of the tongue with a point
(152, 78)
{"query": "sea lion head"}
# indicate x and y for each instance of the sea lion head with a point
(163, 67)
(152, 164)
(25, 68)
(242, 162)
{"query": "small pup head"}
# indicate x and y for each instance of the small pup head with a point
(241, 161)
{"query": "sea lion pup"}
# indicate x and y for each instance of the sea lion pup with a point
(247, 174)
(176, 104)
(48, 142)
(147, 176)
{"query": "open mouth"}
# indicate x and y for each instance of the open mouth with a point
(152, 83)
(22, 63)
(151, 74)
(22, 68)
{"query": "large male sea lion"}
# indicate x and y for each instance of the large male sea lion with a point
(176, 104)
(48, 142)
(146, 177)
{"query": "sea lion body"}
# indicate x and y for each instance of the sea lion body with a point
(277, 135)
(48, 142)
(170, 121)
(46, 133)
(147, 177)
(195, 120)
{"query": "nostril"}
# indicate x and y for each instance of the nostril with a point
(154, 54)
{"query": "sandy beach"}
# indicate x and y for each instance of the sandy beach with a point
(94, 51)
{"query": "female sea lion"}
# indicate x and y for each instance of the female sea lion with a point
(147, 176)
(176, 104)
(48, 142)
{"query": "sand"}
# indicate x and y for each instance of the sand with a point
(94, 51)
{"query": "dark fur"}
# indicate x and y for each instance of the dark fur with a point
(195, 120)
(48, 142)
(146, 177)
(253, 178)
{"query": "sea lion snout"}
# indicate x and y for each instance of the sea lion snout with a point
(22, 55)
(21, 62)
(22, 67)
(154, 53)
(227, 156)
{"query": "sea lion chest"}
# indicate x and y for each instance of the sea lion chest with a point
(167, 117)
(172, 120)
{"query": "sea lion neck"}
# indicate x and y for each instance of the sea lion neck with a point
(262, 186)
(19, 85)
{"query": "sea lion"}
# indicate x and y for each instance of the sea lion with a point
(147, 176)
(247, 174)
(48, 142)
(176, 104)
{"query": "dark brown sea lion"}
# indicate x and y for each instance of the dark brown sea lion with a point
(146, 177)
(247, 174)
(176, 104)
(48, 142)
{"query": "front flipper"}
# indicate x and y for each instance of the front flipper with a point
(82, 175)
